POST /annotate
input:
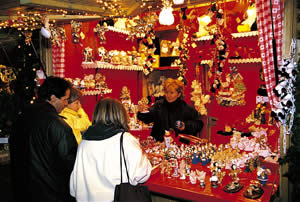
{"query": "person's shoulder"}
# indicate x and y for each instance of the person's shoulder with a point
(59, 122)
(160, 102)
(189, 106)
(129, 137)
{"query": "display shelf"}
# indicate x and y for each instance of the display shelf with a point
(167, 68)
(234, 35)
(235, 61)
(105, 65)
(205, 62)
(244, 34)
(245, 60)
(97, 91)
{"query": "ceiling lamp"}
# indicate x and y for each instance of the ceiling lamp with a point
(178, 2)
(166, 16)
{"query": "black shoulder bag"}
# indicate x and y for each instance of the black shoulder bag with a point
(125, 192)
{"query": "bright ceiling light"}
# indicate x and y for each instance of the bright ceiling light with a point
(178, 2)
(166, 16)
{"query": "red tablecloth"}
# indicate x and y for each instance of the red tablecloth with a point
(185, 190)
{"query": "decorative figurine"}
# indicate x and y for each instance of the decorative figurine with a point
(201, 177)
(194, 157)
(214, 180)
(254, 191)
(234, 186)
(193, 177)
(262, 175)
(182, 169)
(168, 139)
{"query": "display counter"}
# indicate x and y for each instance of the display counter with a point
(182, 189)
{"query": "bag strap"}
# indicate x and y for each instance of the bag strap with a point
(121, 141)
(122, 150)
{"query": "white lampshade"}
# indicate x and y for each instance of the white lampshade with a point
(166, 16)
(178, 2)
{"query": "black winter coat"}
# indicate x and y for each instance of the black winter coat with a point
(43, 151)
(164, 116)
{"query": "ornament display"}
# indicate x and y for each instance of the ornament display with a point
(254, 191)
(88, 55)
(76, 34)
(249, 22)
(100, 31)
(199, 98)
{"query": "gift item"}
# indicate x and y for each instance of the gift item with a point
(249, 24)
(125, 94)
(254, 191)
(165, 48)
(214, 180)
(262, 175)
(76, 34)
(167, 138)
(88, 54)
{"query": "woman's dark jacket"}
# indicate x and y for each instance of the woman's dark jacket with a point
(43, 151)
(164, 116)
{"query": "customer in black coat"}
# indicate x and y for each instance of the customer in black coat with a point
(171, 112)
(43, 147)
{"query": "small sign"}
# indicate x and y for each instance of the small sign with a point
(3, 140)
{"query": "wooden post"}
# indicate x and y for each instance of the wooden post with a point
(289, 32)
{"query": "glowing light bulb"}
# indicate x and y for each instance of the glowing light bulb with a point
(166, 16)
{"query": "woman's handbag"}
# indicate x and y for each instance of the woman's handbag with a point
(125, 192)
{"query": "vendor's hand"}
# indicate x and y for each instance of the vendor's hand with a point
(142, 107)
(180, 125)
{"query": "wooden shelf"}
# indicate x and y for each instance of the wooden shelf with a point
(236, 61)
(102, 91)
(245, 60)
(105, 65)
(167, 68)
(234, 35)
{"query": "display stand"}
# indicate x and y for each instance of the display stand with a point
(183, 189)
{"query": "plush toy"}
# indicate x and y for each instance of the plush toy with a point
(102, 54)
(88, 54)
(175, 48)
(123, 58)
(165, 48)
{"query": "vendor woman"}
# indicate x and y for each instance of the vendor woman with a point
(171, 112)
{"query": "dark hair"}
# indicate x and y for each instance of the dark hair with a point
(75, 94)
(53, 86)
(110, 111)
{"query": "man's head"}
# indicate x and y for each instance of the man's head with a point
(56, 91)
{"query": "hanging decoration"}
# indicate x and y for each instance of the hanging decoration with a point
(284, 109)
(28, 35)
(139, 27)
(76, 34)
(232, 91)
(199, 98)
(100, 31)
(7, 75)
(220, 38)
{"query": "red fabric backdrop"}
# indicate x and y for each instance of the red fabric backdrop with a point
(234, 116)
(115, 79)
